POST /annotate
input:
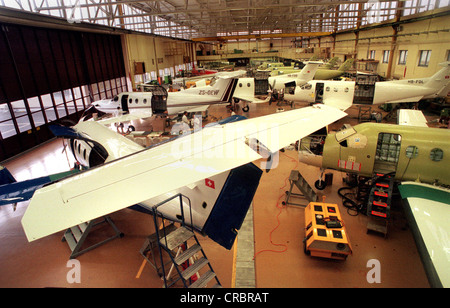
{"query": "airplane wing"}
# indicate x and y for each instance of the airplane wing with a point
(251, 99)
(411, 117)
(133, 115)
(428, 211)
(201, 108)
(340, 103)
(152, 172)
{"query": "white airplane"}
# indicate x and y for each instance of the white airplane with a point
(343, 94)
(245, 89)
(212, 167)
(159, 101)
(295, 79)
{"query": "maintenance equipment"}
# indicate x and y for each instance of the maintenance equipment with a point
(326, 235)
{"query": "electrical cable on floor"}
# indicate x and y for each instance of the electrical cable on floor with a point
(279, 213)
(349, 203)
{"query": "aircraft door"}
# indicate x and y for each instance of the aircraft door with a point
(124, 102)
(365, 89)
(387, 153)
(159, 98)
(319, 92)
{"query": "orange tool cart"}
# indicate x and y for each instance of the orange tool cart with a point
(325, 232)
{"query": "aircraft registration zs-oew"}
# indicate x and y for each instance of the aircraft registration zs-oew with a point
(342, 94)
(212, 167)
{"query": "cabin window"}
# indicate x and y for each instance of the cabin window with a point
(327, 89)
(136, 101)
(248, 84)
(335, 89)
(116, 98)
(412, 151)
(240, 85)
(145, 101)
(346, 90)
(436, 154)
(130, 101)
(84, 154)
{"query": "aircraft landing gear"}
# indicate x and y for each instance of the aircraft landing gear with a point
(320, 184)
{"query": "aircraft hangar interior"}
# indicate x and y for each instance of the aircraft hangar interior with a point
(225, 144)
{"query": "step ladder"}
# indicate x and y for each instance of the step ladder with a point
(151, 243)
(379, 203)
(295, 178)
(77, 235)
(181, 245)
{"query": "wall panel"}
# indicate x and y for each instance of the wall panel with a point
(53, 74)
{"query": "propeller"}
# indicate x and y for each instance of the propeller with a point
(273, 93)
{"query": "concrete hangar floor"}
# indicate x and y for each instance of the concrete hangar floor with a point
(277, 259)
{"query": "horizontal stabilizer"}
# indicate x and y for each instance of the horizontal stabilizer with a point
(24, 190)
(5, 176)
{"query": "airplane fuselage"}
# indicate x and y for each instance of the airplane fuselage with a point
(367, 90)
(343, 94)
(411, 153)
(159, 101)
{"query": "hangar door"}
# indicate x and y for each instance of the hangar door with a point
(51, 75)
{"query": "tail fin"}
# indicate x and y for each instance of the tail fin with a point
(330, 64)
(346, 65)
(232, 204)
(441, 79)
(5, 176)
(222, 89)
(227, 88)
(308, 72)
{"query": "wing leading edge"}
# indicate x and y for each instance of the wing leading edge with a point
(428, 210)
(152, 172)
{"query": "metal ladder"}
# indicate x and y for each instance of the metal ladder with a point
(168, 239)
(295, 178)
(75, 236)
(379, 203)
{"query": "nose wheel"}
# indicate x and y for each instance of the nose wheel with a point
(320, 184)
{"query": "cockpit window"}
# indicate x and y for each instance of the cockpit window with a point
(116, 98)
(306, 86)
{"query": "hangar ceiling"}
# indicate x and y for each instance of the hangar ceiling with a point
(208, 19)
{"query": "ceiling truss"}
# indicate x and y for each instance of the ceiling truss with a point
(194, 19)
